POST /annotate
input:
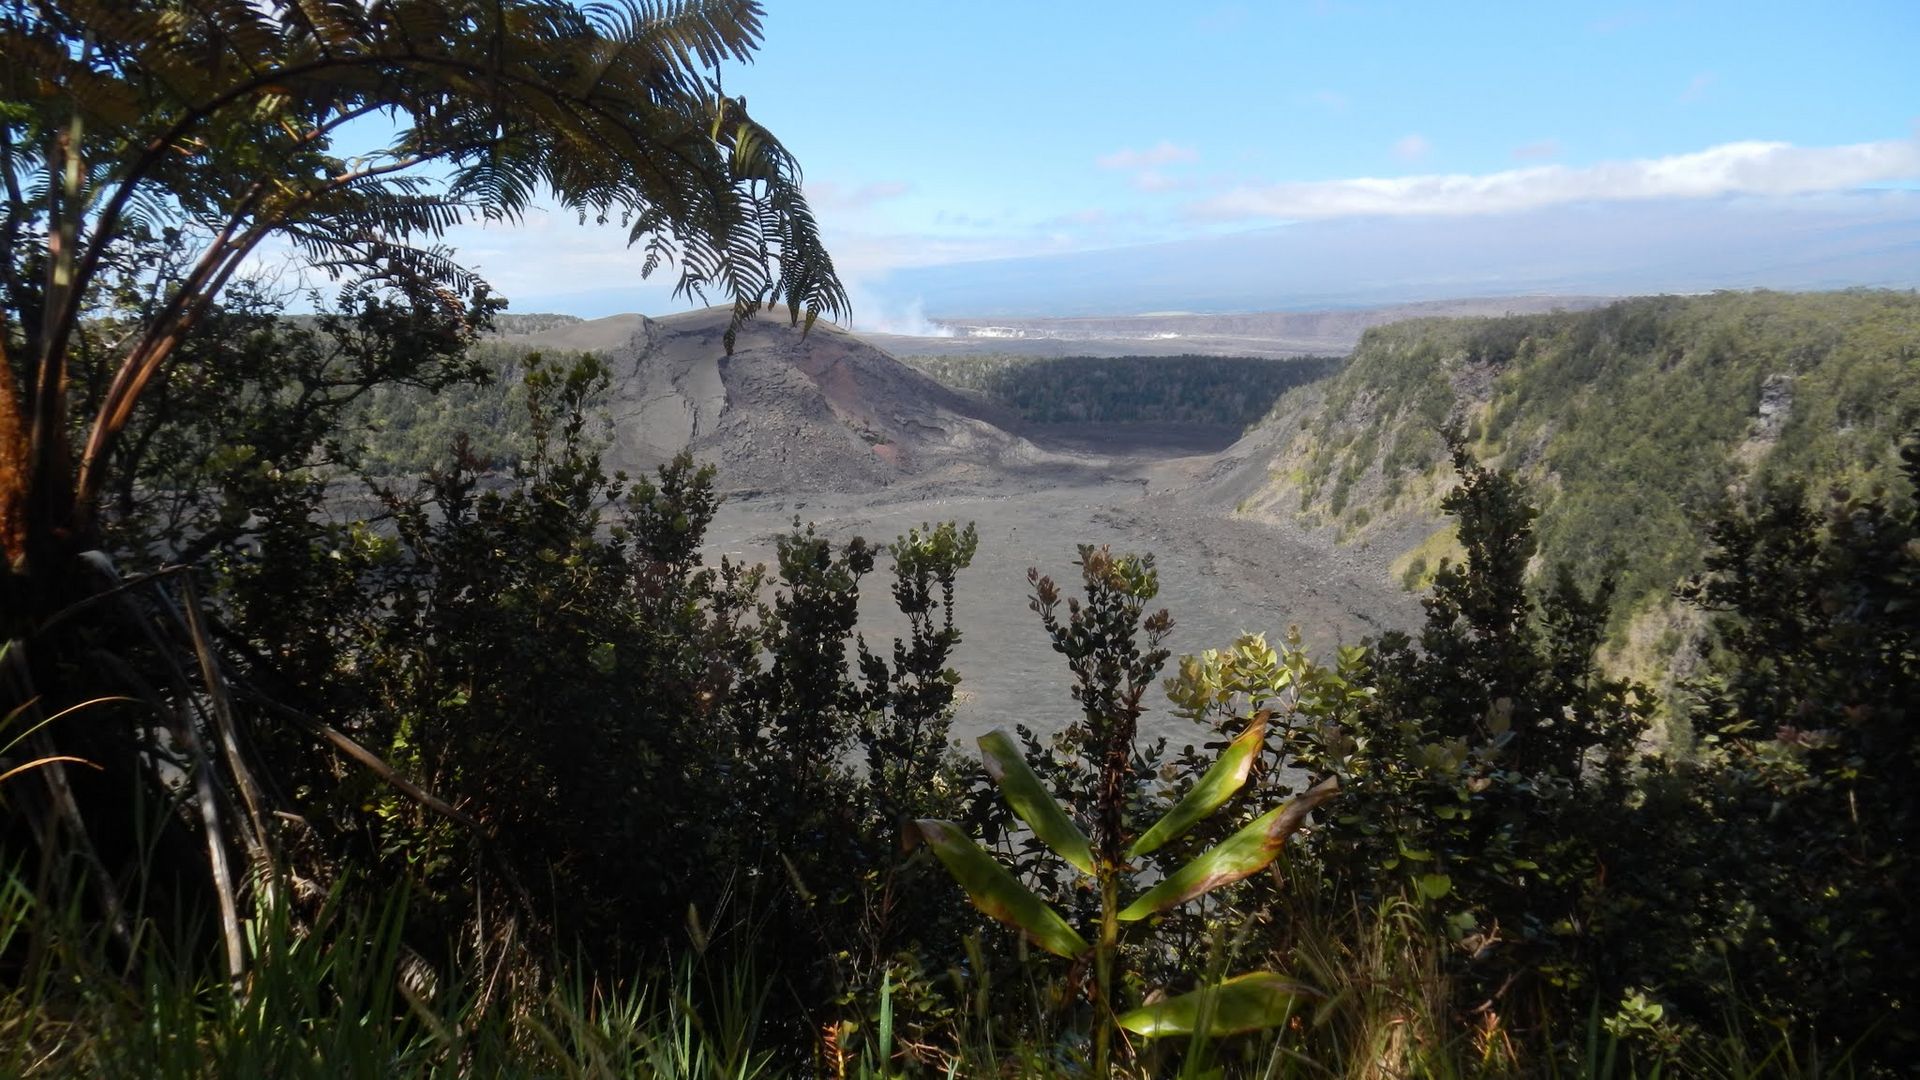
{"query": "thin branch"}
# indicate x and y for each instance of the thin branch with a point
(124, 586)
(373, 763)
(224, 725)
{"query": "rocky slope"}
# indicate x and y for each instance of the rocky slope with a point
(823, 411)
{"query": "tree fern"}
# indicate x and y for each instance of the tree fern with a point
(218, 119)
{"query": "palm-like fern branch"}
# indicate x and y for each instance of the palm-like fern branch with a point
(226, 115)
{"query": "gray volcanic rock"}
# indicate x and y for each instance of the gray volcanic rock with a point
(823, 411)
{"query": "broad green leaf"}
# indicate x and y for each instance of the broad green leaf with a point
(1030, 799)
(1250, 1002)
(1239, 855)
(994, 891)
(1212, 791)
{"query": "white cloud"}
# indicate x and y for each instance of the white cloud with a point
(1162, 153)
(1412, 147)
(1741, 168)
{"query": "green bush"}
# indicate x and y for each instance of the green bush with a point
(1494, 777)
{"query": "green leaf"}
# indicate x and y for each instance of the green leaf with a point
(994, 891)
(1250, 1002)
(1030, 799)
(1212, 791)
(1238, 856)
(1413, 854)
(602, 658)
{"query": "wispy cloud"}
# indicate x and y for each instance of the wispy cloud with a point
(1161, 153)
(1824, 241)
(1411, 147)
(1331, 100)
(1618, 21)
(960, 219)
(1741, 168)
(1156, 181)
(829, 195)
(1224, 19)
(1538, 150)
(1092, 215)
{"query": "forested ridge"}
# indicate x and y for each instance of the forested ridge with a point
(1226, 390)
(1634, 423)
(406, 430)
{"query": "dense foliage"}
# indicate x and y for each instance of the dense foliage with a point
(468, 686)
(533, 322)
(1492, 774)
(1224, 390)
(1809, 741)
(354, 719)
(405, 430)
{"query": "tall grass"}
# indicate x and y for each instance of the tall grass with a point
(340, 997)
(1386, 1009)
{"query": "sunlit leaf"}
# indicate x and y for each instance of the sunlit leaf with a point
(1211, 792)
(994, 891)
(1250, 1002)
(1031, 800)
(1239, 855)
(1413, 854)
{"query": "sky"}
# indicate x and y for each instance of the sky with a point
(1413, 150)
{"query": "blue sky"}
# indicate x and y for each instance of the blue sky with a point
(940, 134)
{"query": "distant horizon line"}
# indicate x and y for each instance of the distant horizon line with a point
(974, 318)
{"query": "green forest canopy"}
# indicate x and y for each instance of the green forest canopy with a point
(1635, 422)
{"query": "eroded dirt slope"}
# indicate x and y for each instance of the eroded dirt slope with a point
(823, 411)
